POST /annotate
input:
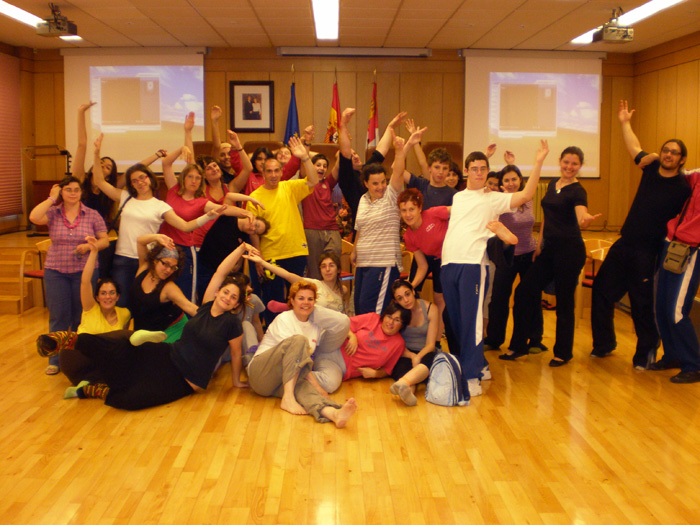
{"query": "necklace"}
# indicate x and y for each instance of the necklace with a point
(67, 224)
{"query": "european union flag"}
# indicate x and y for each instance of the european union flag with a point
(292, 128)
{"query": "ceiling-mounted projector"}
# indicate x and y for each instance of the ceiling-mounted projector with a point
(613, 32)
(57, 25)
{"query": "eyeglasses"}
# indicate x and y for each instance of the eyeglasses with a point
(476, 170)
(105, 293)
(71, 190)
(140, 178)
(394, 318)
(167, 266)
(669, 151)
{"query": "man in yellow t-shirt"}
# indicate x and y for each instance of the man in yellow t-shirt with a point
(284, 242)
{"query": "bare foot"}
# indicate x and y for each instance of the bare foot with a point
(292, 406)
(344, 413)
(241, 384)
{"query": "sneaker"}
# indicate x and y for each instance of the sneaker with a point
(486, 373)
(686, 377)
(474, 387)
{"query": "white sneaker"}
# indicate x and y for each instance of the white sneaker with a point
(486, 373)
(474, 387)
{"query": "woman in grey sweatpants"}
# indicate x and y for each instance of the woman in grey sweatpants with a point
(281, 366)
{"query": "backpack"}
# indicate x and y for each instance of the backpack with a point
(445, 382)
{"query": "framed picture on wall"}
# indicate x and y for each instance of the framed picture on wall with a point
(252, 106)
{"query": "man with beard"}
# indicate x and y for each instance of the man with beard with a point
(632, 261)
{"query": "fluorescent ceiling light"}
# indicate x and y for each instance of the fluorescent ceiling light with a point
(19, 14)
(634, 16)
(326, 16)
(71, 38)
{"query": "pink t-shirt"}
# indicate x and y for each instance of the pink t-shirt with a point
(431, 234)
(319, 212)
(187, 210)
(375, 349)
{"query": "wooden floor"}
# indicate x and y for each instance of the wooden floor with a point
(592, 442)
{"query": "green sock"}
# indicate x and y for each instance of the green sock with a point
(146, 336)
(72, 391)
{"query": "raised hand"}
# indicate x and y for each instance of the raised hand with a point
(216, 113)
(509, 157)
(165, 241)
(410, 125)
(308, 134)
(490, 150)
(415, 137)
(189, 121)
(623, 113)
(347, 115)
(98, 143)
(187, 155)
(85, 107)
(398, 119)
(542, 152)
(398, 142)
(233, 139)
(297, 148)
(92, 243)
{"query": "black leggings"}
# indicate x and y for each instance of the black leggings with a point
(138, 377)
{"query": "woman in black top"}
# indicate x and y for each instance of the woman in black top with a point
(559, 257)
(159, 373)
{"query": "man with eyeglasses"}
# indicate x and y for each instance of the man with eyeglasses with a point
(464, 271)
(632, 261)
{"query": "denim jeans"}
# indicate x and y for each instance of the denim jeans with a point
(124, 271)
(63, 302)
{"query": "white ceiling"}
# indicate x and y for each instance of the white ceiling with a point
(437, 24)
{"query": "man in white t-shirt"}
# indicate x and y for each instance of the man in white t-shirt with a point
(464, 271)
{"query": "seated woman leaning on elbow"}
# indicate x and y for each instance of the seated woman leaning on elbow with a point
(281, 366)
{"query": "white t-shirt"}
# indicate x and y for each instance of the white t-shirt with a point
(326, 297)
(139, 217)
(285, 326)
(466, 237)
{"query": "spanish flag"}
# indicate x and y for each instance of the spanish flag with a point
(373, 124)
(332, 131)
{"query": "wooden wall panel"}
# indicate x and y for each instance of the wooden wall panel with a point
(621, 190)
(666, 105)
(215, 94)
(687, 114)
(453, 108)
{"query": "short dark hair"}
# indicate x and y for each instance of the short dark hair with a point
(65, 181)
(681, 145)
(372, 169)
(411, 194)
(439, 155)
(474, 156)
(573, 150)
(394, 307)
(319, 156)
(107, 280)
(144, 169)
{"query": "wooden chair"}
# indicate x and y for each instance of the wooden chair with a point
(586, 281)
(594, 244)
(406, 262)
(30, 272)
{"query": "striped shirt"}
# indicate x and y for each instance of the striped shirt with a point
(65, 240)
(520, 222)
(378, 224)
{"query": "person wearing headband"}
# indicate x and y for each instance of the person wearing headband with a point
(157, 303)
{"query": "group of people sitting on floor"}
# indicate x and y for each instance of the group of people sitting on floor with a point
(177, 268)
